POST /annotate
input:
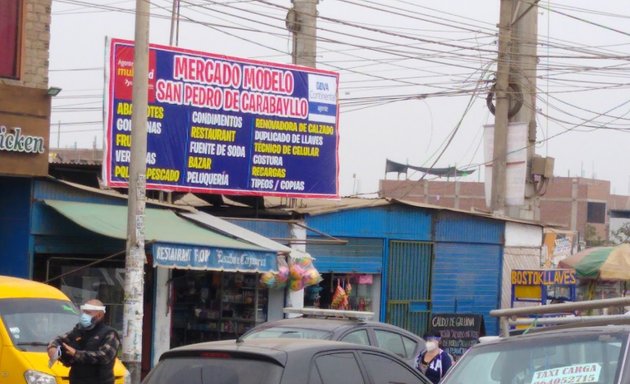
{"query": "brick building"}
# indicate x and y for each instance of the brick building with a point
(26, 25)
(580, 204)
(24, 93)
(24, 118)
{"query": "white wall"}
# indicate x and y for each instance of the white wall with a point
(614, 224)
(295, 299)
(275, 304)
(522, 250)
(523, 235)
(376, 297)
(516, 258)
(161, 314)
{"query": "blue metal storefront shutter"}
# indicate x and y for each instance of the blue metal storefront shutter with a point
(358, 255)
(408, 285)
(467, 279)
(15, 253)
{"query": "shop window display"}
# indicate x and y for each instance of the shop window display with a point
(81, 283)
(341, 291)
(215, 305)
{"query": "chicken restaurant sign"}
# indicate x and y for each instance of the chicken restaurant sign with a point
(12, 140)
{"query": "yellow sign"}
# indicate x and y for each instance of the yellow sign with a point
(543, 277)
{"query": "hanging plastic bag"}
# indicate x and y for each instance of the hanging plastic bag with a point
(277, 279)
(282, 276)
(340, 298)
(312, 277)
(302, 272)
(348, 287)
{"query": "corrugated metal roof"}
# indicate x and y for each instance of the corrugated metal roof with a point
(118, 195)
(315, 207)
(161, 225)
(78, 156)
(215, 223)
(322, 206)
(487, 215)
(229, 228)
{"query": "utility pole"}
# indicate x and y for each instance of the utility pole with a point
(302, 21)
(174, 35)
(516, 72)
(523, 72)
(134, 263)
(499, 155)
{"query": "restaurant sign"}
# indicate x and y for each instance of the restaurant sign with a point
(206, 258)
(24, 130)
(12, 140)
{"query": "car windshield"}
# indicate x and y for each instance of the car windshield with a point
(551, 360)
(200, 370)
(33, 323)
(288, 332)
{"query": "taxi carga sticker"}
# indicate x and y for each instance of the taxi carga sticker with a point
(570, 374)
(219, 124)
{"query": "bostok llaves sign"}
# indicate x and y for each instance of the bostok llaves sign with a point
(219, 124)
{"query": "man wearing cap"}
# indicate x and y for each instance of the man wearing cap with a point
(90, 348)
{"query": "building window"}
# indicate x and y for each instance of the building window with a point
(10, 17)
(596, 213)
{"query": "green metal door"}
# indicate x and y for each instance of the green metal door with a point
(409, 285)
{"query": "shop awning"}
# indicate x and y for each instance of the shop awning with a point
(225, 226)
(177, 242)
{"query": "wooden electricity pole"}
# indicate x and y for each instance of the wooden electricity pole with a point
(135, 259)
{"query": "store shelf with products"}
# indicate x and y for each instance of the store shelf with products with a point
(215, 305)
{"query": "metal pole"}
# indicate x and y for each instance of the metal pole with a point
(174, 35)
(170, 40)
(499, 155)
(134, 265)
(608, 319)
(564, 307)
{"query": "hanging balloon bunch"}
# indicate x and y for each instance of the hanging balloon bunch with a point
(277, 279)
(298, 272)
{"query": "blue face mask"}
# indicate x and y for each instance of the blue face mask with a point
(85, 320)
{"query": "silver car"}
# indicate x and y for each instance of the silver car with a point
(337, 326)
(562, 356)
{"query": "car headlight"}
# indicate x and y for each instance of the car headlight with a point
(37, 377)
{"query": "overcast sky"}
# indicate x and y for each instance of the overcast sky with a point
(408, 72)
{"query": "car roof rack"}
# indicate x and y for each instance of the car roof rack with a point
(509, 315)
(330, 313)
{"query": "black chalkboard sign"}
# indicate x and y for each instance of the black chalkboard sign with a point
(458, 331)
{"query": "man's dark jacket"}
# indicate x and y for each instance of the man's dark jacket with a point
(96, 353)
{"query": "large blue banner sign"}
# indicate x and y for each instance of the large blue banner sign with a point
(219, 124)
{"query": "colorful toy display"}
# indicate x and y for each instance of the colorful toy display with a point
(297, 272)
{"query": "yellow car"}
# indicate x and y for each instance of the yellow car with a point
(32, 314)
